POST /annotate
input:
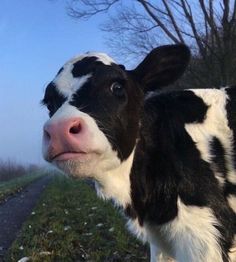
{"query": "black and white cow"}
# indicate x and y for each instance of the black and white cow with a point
(168, 159)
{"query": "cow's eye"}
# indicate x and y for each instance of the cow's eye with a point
(117, 89)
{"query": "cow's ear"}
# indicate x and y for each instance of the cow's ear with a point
(162, 66)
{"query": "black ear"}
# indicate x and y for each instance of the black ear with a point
(122, 67)
(162, 66)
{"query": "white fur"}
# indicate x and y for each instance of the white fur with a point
(191, 236)
(137, 230)
(232, 253)
(115, 183)
(66, 84)
(155, 254)
(195, 229)
(215, 124)
(232, 202)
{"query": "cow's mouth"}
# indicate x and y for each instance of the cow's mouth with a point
(64, 156)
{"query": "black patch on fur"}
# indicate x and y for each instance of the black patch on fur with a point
(61, 69)
(52, 99)
(168, 165)
(186, 105)
(130, 212)
(218, 157)
(230, 189)
(85, 66)
(116, 116)
(166, 152)
(231, 113)
(122, 67)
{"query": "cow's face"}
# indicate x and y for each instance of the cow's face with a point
(94, 107)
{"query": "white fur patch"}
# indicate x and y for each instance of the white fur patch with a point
(196, 234)
(232, 202)
(157, 255)
(215, 124)
(232, 253)
(67, 84)
(191, 236)
(137, 230)
(115, 183)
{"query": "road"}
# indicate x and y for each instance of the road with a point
(16, 210)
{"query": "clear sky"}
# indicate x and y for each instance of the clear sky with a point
(36, 38)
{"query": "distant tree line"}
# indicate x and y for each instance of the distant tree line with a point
(10, 169)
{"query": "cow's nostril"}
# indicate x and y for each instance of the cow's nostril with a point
(75, 129)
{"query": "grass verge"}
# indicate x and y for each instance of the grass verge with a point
(13, 186)
(71, 224)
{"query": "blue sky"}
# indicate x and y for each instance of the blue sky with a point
(36, 39)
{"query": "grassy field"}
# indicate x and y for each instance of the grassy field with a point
(71, 224)
(15, 185)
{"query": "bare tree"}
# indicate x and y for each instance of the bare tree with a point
(207, 26)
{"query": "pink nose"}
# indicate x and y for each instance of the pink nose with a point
(66, 129)
(63, 135)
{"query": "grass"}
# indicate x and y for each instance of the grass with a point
(15, 185)
(71, 224)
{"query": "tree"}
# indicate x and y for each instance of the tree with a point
(207, 26)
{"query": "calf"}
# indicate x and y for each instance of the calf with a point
(168, 159)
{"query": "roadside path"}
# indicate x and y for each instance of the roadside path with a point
(16, 210)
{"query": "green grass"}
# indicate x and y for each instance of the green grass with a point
(17, 184)
(71, 224)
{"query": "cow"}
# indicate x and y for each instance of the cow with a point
(167, 158)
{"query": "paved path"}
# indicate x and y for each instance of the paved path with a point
(16, 210)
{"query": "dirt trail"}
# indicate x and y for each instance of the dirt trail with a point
(16, 210)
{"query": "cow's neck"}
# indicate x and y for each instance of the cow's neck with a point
(115, 184)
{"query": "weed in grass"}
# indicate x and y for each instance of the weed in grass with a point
(71, 224)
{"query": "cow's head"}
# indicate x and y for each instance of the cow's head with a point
(94, 106)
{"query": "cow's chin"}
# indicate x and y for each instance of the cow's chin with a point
(89, 165)
(78, 167)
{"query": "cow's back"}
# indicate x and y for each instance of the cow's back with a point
(215, 137)
(185, 158)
